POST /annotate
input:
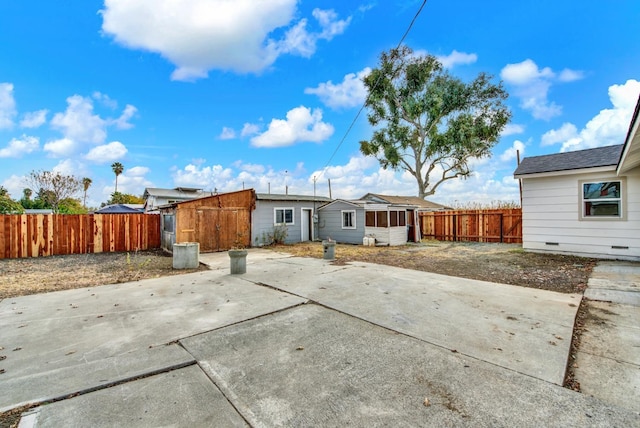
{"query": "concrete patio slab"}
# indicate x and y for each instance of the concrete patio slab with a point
(313, 366)
(522, 329)
(71, 332)
(183, 397)
(40, 385)
(615, 281)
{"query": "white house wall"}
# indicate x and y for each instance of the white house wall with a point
(551, 214)
(388, 235)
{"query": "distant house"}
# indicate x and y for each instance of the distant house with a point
(38, 211)
(155, 197)
(585, 202)
(291, 216)
(121, 209)
(351, 221)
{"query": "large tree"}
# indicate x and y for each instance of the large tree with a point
(54, 187)
(428, 122)
(117, 168)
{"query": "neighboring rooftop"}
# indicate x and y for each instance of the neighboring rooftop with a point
(190, 192)
(298, 198)
(121, 209)
(404, 200)
(581, 159)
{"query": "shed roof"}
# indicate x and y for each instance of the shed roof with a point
(291, 198)
(404, 200)
(580, 159)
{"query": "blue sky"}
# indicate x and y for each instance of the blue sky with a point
(219, 94)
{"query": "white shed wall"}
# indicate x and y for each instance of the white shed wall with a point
(551, 214)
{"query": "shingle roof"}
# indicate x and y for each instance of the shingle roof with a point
(121, 209)
(300, 198)
(581, 159)
(405, 200)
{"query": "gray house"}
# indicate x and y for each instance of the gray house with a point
(288, 218)
(350, 222)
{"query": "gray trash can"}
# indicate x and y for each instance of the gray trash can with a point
(238, 260)
(329, 248)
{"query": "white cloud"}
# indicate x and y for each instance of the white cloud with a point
(105, 100)
(107, 153)
(227, 134)
(512, 129)
(566, 132)
(34, 119)
(15, 185)
(532, 86)
(608, 127)
(78, 122)
(301, 125)
(350, 93)
(568, 75)
(456, 58)
(123, 121)
(132, 181)
(512, 152)
(249, 129)
(19, 147)
(61, 147)
(71, 167)
(200, 35)
(7, 106)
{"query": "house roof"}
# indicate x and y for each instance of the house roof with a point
(291, 198)
(121, 209)
(404, 200)
(178, 192)
(630, 157)
(581, 159)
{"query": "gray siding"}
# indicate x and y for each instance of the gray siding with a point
(330, 224)
(262, 221)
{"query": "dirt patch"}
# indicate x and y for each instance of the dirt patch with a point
(503, 263)
(19, 277)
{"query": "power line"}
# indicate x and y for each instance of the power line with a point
(375, 85)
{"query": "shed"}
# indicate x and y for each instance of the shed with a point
(218, 222)
(585, 202)
(286, 218)
(350, 222)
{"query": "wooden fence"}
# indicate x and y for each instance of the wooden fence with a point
(37, 235)
(499, 225)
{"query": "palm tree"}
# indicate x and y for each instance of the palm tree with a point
(86, 183)
(117, 170)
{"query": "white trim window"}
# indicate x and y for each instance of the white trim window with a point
(283, 216)
(602, 199)
(348, 219)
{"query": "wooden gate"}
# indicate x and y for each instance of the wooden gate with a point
(218, 229)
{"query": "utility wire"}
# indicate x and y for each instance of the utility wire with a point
(375, 85)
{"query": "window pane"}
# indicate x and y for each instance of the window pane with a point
(347, 219)
(370, 219)
(168, 223)
(609, 208)
(381, 219)
(279, 216)
(402, 221)
(393, 218)
(288, 216)
(605, 190)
